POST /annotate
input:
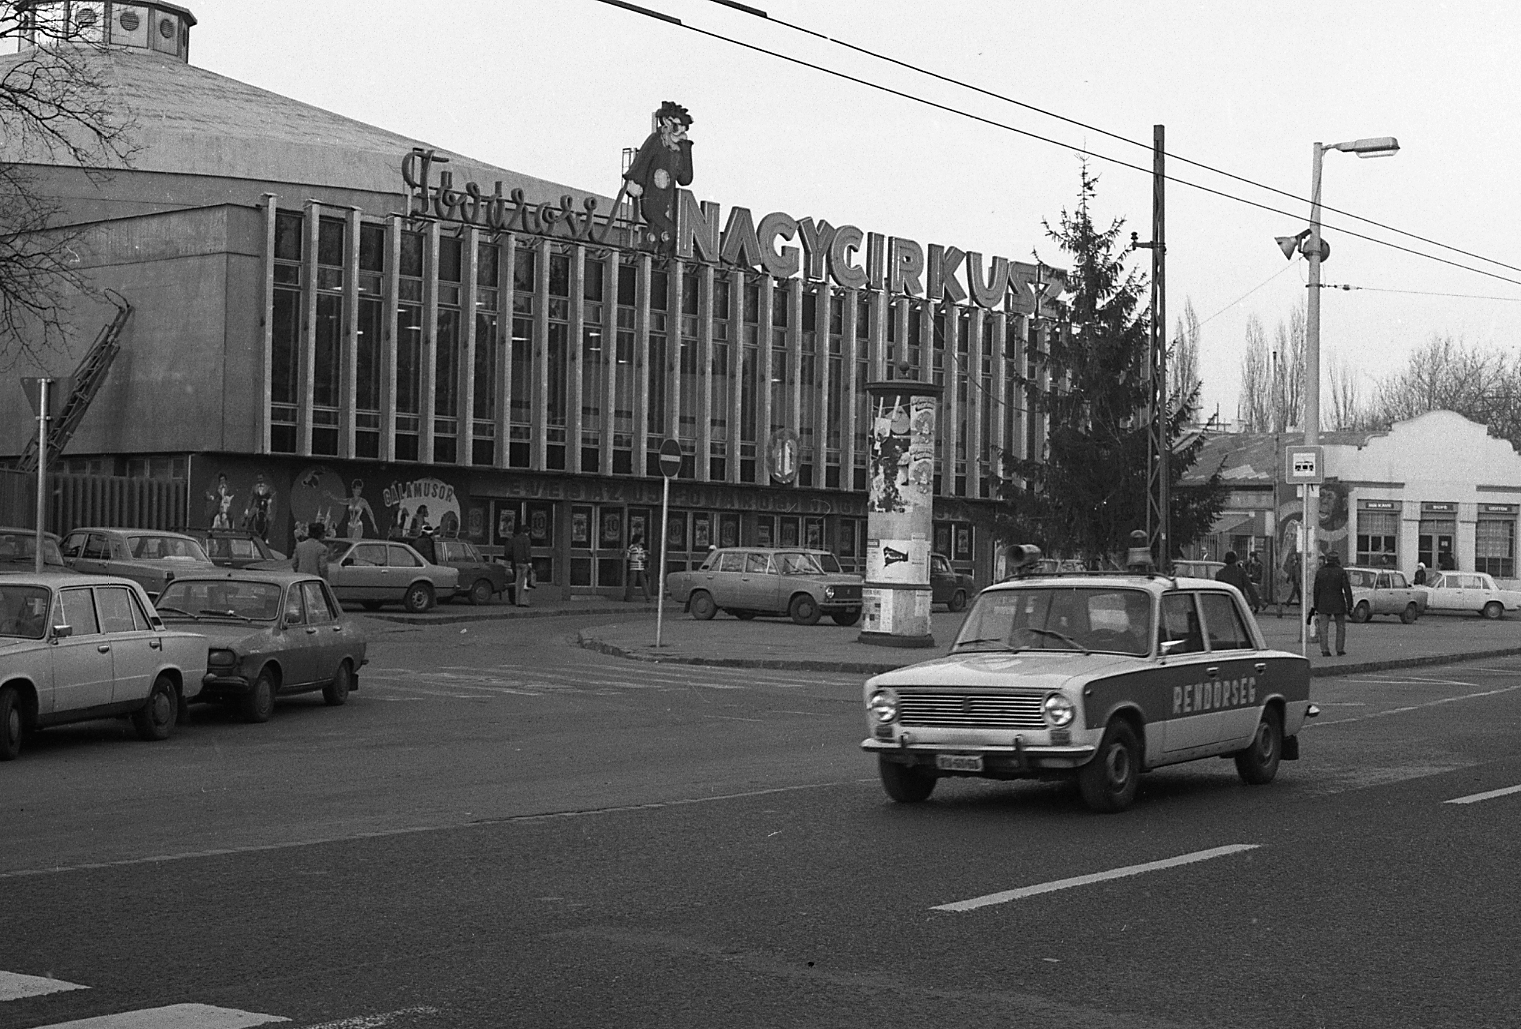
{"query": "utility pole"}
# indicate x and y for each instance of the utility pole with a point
(1158, 450)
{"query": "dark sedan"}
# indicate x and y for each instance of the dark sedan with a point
(948, 586)
(269, 634)
(235, 548)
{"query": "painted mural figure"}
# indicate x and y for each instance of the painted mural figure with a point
(259, 515)
(219, 504)
(663, 163)
(356, 509)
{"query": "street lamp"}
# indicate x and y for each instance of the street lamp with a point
(1315, 252)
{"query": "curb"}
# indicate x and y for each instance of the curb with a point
(505, 613)
(588, 642)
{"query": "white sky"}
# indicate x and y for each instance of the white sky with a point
(556, 88)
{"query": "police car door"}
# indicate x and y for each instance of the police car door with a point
(1235, 674)
(1181, 634)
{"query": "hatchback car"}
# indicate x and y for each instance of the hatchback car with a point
(18, 550)
(149, 557)
(268, 634)
(77, 647)
(948, 586)
(1094, 678)
(376, 572)
(236, 548)
(746, 581)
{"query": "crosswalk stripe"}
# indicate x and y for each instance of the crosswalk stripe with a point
(175, 1016)
(14, 986)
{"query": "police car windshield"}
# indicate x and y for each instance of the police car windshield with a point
(1091, 619)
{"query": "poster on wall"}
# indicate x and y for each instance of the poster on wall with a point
(903, 562)
(763, 532)
(789, 532)
(580, 527)
(943, 540)
(728, 531)
(506, 523)
(676, 533)
(612, 530)
(319, 494)
(702, 531)
(847, 537)
(813, 533)
(638, 527)
(963, 543)
(541, 524)
(475, 522)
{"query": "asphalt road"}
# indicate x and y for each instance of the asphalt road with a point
(502, 830)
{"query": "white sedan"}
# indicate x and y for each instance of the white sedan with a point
(1468, 593)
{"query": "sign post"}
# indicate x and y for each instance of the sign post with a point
(37, 392)
(1304, 466)
(670, 465)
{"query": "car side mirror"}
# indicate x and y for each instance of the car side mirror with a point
(347, 562)
(62, 632)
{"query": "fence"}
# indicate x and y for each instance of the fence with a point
(77, 500)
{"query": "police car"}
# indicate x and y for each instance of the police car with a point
(1095, 677)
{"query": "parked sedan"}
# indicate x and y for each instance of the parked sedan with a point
(375, 572)
(948, 586)
(149, 557)
(1383, 591)
(236, 548)
(1468, 593)
(268, 634)
(77, 647)
(746, 581)
(18, 550)
(479, 579)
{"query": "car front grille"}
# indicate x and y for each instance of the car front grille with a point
(949, 710)
(847, 593)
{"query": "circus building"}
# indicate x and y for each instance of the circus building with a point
(321, 320)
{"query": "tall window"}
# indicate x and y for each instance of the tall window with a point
(557, 360)
(834, 417)
(1377, 537)
(446, 355)
(781, 372)
(723, 387)
(985, 406)
(863, 376)
(488, 357)
(749, 386)
(520, 412)
(625, 371)
(690, 369)
(594, 354)
(327, 363)
(655, 420)
(368, 370)
(409, 346)
(807, 372)
(286, 320)
(962, 373)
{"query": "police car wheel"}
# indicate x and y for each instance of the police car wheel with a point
(906, 784)
(702, 606)
(1109, 782)
(1258, 763)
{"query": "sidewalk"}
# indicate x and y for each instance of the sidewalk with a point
(1383, 643)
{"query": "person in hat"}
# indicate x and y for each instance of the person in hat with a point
(1332, 597)
(1235, 574)
(663, 163)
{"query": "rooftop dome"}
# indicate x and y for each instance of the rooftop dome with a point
(144, 26)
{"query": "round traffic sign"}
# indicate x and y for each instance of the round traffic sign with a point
(670, 458)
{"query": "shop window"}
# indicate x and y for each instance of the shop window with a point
(1495, 547)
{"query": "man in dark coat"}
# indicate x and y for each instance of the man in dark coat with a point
(1235, 574)
(663, 163)
(1332, 599)
(520, 549)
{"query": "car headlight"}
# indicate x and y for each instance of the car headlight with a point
(221, 659)
(1059, 711)
(883, 706)
(828, 592)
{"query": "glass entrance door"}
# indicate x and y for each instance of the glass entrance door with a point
(597, 541)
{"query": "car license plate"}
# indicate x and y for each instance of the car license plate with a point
(959, 762)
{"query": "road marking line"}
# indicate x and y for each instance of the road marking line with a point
(1083, 880)
(175, 1016)
(373, 1021)
(1412, 707)
(1474, 798)
(14, 986)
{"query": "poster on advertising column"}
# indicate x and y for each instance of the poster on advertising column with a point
(898, 561)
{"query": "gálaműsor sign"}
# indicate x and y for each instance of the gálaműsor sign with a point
(851, 258)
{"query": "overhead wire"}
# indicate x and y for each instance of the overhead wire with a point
(1118, 162)
(951, 80)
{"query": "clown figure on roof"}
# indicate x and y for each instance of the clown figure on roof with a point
(662, 164)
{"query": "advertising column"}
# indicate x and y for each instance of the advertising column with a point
(899, 514)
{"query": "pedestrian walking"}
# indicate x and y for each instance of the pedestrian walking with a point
(1293, 570)
(521, 551)
(1235, 574)
(638, 576)
(1255, 573)
(1420, 574)
(311, 553)
(1332, 599)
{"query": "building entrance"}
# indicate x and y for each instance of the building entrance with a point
(1434, 545)
(598, 541)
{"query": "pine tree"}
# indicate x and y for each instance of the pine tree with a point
(1087, 493)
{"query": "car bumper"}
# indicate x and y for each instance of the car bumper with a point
(222, 684)
(1001, 761)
